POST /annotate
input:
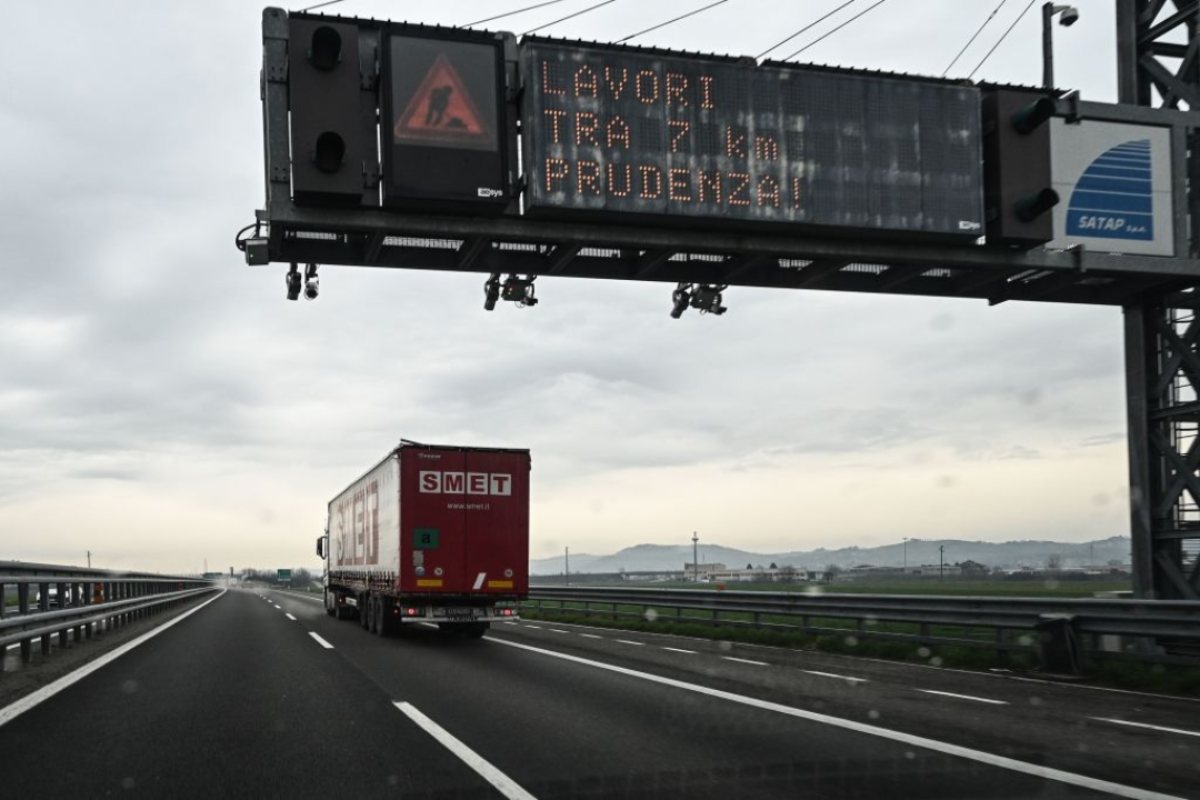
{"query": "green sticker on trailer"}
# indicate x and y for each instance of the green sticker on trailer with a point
(425, 538)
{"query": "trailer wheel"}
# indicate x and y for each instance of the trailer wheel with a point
(384, 626)
(330, 607)
(340, 609)
(475, 630)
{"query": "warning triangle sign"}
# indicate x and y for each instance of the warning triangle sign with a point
(442, 109)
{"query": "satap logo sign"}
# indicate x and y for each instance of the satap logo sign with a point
(1115, 179)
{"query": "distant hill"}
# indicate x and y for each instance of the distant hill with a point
(1028, 553)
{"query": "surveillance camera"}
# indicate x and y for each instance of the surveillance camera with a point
(1069, 16)
(491, 292)
(311, 282)
(292, 281)
(680, 299)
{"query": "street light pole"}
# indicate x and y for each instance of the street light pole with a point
(1069, 14)
(941, 562)
(1047, 46)
(695, 559)
(567, 564)
(905, 554)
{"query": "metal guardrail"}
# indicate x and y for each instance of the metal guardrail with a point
(53, 599)
(1062, 632)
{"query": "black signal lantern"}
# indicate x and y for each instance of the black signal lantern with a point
(1018, 183)
(330, 147)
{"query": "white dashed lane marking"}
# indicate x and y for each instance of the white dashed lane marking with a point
(590, 636)
(320, 641)
(630, 641)
(680, 650)
(965, 697)
(745, 661)
(834, 675)
(1162, 728)
(503, 784)
(289, 616)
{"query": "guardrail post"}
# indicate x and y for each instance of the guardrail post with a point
(1058, 643)
(23, 609)
(44, 606)
(76, 602)
(63, 602)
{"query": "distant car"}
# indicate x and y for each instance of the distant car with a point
(35, 598)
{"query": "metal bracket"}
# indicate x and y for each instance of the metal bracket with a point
(1071, 101)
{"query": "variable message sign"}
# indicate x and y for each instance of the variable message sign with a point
(629, 132)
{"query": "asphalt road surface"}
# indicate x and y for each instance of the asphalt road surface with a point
(260, 694)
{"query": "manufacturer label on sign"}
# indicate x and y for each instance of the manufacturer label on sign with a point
(1114, 185)
(441, 108)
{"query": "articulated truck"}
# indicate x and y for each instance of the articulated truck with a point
(431, 534)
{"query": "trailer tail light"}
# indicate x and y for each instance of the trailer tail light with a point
(412, 612)
(506, 612)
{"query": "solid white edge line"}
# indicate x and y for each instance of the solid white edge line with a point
(991, 759)
(675, 649)
(13, 710)
(320, 641)
(965, 697)
(501, 782)
(1162, 728)
(289, 616)
(834, 675)
(745, 661)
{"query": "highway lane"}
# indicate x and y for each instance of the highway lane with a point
(1070, 726)
(234, 701)
(634, 724)
(255, 696)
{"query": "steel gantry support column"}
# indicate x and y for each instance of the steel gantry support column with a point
(1158, 64)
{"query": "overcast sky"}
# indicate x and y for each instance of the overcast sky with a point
(162, 404)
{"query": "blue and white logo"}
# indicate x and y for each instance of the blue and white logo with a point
(1114, 199)
(1116, 180)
